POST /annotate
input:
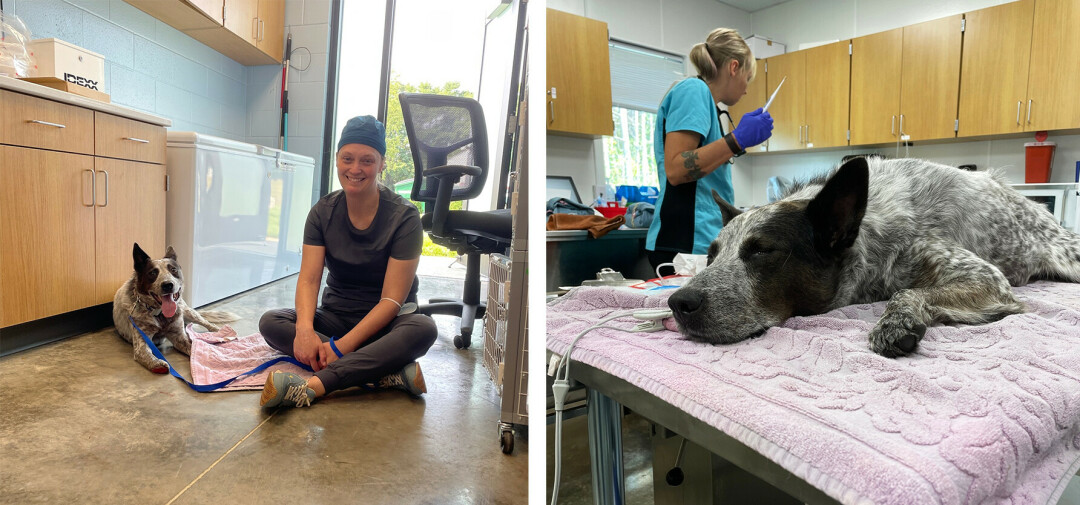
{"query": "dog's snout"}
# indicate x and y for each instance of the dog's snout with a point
(167, 287)
(685, 301)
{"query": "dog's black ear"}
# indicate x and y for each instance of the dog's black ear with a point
(170, 253)
(141, 258)
(837, 211)
(727, 210)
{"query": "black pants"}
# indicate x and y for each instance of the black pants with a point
(401, 342)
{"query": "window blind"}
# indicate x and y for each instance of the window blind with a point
(640, 76)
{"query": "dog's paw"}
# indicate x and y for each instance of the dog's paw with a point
(155, 365)
(896, 334)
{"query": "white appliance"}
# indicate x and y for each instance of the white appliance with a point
(1060, 200)
(235, 213)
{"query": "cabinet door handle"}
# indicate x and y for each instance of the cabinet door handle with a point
(93, 188)
(46, 123)
(1029, 111)
(551, 103)
(133, 139)
(262, 31)
(1018, 111)
(892, 125)
(106, 172)
(255, 28)
(901, 125)
(807, 134)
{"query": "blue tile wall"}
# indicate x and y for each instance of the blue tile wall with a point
(149, 65)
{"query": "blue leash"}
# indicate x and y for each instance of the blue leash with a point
(219, 385)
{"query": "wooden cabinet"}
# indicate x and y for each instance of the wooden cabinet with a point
(46, 233)
(754, 98)
(578, 76)
(930, 79)
(272, 28)
(130, 208)
(69, 209)
(1054, 73)
(875, 87)
(828, 73)
(788, 110)
(809, 111)
(994, 72)
(252, 32)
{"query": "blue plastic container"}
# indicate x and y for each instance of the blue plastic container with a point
(634, 194)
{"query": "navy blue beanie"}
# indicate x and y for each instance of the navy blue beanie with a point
(364, 130)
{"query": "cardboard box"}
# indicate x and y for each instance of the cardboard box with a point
(67, 62)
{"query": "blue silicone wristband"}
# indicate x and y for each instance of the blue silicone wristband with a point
(334, 347)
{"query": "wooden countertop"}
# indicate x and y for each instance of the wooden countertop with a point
(29, 88)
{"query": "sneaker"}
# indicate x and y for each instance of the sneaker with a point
(286, 388)
(410, 379)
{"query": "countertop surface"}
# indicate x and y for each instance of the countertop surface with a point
(621, 233)
(29, 88)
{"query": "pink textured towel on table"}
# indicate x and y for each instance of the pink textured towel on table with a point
(979, 414)
(220, 355)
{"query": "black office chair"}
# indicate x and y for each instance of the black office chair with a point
(448, 138)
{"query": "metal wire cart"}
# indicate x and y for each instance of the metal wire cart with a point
(506, 347)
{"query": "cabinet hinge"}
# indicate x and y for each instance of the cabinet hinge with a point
(956, 125)
(963, 25)
(166, 182)
(849, 48)
(766, 66)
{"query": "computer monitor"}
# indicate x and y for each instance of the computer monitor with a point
(562, 186)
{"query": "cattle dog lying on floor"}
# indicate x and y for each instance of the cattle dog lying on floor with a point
(942, 245)
(152, 298)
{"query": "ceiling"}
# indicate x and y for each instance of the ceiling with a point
(751, 5)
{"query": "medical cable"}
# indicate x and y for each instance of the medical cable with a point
(675, 476)
(652, 320)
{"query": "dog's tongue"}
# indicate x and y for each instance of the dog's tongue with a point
(168, 306)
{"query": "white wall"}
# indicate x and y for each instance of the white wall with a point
(670, 25)
(807, 21)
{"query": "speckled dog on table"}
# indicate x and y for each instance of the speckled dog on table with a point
(942, 245)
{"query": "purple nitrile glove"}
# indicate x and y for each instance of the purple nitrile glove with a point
(754, 128)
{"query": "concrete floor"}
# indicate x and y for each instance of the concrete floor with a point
(81, 422)
(575, 484)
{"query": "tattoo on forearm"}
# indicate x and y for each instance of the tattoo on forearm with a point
(693, 171)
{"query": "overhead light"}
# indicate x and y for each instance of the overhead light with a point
(501, 8)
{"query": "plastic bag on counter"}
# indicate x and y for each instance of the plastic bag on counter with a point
(15, 59)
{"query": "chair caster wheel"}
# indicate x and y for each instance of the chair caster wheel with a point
(506, 442)
(463, 340)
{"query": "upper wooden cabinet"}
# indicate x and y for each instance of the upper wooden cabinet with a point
(994, 75)
(788, 110)
(578, 76)
(754, 98)
(828, 68)
(875, 87)
(808, 111)
(252, 32)
(930, 79)
(1053, 97)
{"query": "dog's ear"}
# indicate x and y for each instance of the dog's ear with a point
(727, 210)
(170, 253)
(140, 256)
(837, 211)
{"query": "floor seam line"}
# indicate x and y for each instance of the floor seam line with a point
(211, 467)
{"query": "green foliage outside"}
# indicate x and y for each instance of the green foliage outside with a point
(629, 152)
(399, 162)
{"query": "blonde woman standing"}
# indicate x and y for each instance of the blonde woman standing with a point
(693, 154)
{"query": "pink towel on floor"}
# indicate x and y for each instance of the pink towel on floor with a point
(980, 414)
(220, 355)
